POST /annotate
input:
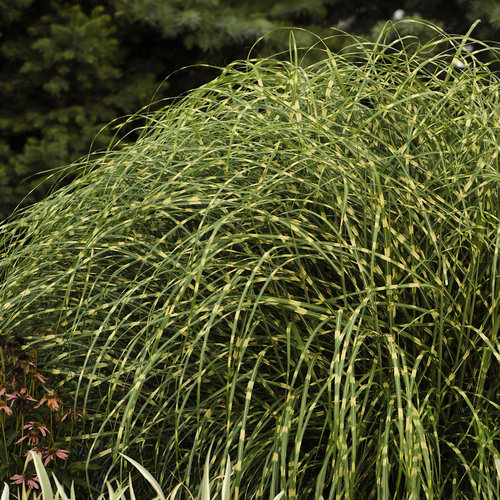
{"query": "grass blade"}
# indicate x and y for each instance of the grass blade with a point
(147, 475)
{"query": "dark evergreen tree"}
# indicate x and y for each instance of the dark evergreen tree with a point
(61, 80)
(69, 68)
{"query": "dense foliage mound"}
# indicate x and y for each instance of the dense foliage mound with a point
(297, 267)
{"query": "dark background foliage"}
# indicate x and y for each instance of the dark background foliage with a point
(67, 69)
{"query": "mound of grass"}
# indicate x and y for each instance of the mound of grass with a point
(294, 266)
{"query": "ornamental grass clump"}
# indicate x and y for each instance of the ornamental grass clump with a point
(297, 266)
